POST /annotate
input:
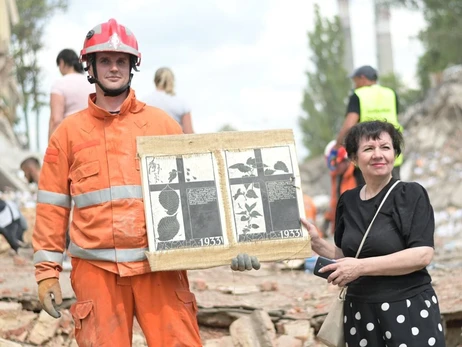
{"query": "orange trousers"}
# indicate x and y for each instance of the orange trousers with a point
(106, 304)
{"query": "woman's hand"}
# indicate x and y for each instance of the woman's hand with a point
(312, 230)
(345, 270)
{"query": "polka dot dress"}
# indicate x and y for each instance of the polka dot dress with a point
(414, 322)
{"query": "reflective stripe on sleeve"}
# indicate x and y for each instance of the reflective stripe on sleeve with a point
(44, 256)
(52, 198)
(112, 255)
(104, 195)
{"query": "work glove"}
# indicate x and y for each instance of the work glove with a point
(332, 158)
(49, 292)
(244, 262)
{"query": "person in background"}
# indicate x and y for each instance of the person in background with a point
(342, 178)
(69, 94)
(310, 208)
(369, 101)
(390, 300)
(92, 153)
(12, 226)
(164, 97)
(31, 168)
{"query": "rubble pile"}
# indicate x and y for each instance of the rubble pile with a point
(433, 135)
(20, 327)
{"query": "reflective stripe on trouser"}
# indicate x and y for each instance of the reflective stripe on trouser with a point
(106, 304)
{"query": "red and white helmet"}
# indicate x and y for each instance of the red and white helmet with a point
(110, 37)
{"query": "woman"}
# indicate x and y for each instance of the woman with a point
(69, 94)
(390, 300)
(164, 98)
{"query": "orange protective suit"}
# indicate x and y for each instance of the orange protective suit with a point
(311, 211)
(339, 184)
(310, 208)
(91, 159)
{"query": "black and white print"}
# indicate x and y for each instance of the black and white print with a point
(184, 202)
(263, 193)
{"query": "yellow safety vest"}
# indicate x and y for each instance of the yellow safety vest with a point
(379, 103)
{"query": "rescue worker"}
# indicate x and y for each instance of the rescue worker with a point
(369, 101)
(342, 178)
(310, 209)
(91, 159)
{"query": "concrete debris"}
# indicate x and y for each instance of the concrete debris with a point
(226, 341)
(256, 330)
(288, 341)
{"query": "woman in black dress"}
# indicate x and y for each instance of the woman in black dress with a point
(390, 300)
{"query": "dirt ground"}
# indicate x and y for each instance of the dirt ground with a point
(294, 294)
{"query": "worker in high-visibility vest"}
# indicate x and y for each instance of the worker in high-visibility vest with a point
(369, 101)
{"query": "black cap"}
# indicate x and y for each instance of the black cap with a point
(367, 71)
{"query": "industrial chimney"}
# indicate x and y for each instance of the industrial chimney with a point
(344, 13)
(383, 38)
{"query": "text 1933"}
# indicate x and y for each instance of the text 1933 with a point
(291, 233)
(211, 241)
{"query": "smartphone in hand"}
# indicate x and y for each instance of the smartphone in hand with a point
(320, 263)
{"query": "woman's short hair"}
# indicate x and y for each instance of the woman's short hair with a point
(165, 80)
(70, 58)
(372, 130)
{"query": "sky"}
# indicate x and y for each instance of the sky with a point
(236, 62)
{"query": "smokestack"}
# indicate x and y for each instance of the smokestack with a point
(383, 38)
(344, 14)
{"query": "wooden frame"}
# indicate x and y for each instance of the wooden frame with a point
(209, 197)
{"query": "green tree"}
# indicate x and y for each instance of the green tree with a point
(441, 38)
(324, 97)
(26, 43)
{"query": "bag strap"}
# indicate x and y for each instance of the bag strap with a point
(373, 219)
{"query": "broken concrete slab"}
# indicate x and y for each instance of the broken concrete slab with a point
(255, 330)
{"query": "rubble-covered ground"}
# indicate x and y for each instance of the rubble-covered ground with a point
(294, 301)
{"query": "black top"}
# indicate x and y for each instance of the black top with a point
(405, 220)
(353, 104)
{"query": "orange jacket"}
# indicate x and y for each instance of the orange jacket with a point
(310, 208)
(91, 159)
(348, 182)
